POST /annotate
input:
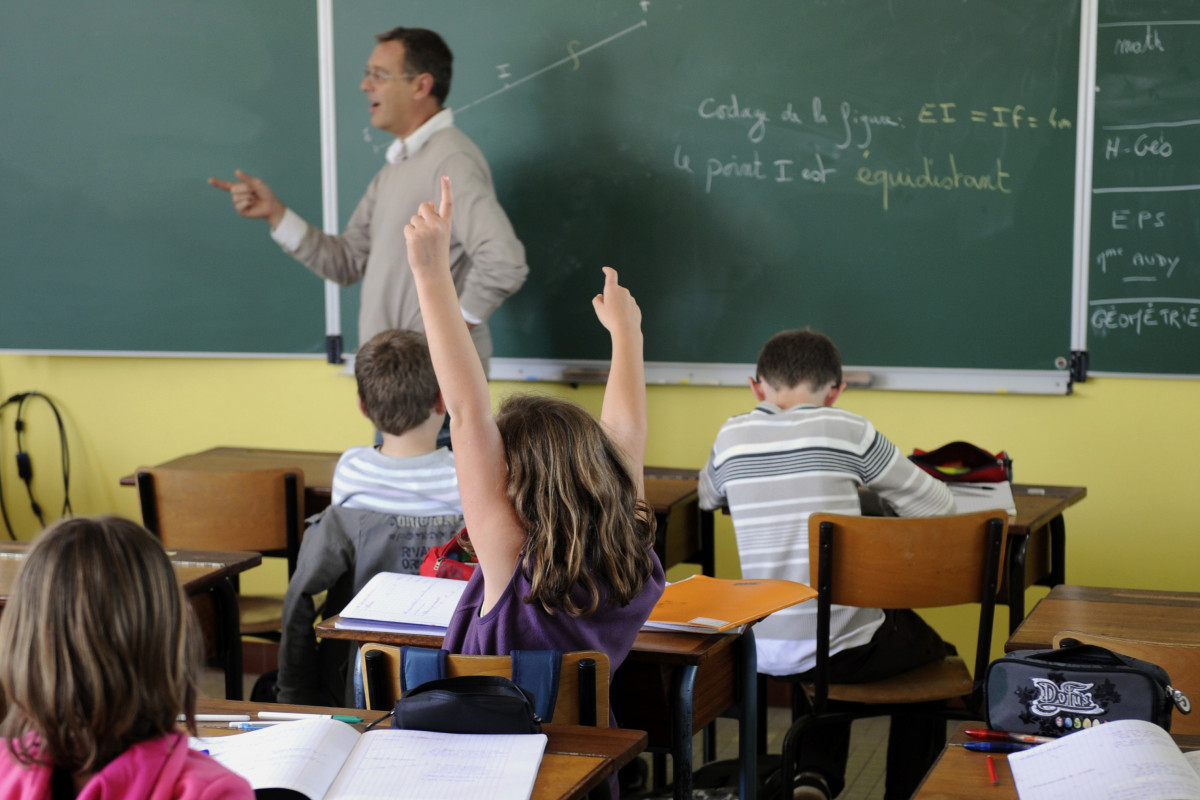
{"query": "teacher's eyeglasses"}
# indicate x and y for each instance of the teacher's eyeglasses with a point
(379, 76)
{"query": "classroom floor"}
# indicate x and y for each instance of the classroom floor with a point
(864, 771)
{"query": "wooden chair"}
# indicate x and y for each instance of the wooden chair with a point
(258, 510)
(893, 562)
(1181, 661)
(570, 708)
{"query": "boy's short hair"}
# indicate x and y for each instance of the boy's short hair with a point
(396, 382)
(802, 355)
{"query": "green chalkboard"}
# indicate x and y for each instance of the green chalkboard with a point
(897, 174)
(114, 113)
(1144, 281)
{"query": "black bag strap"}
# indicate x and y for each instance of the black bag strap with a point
(1094, 655)
(1080, 653)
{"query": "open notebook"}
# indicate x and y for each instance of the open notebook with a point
(391, 601)
(324, 759)
(1119, 760)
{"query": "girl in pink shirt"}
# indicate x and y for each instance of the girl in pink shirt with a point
(96, 664)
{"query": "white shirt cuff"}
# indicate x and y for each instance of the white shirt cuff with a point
(290, 231)
(469, 317)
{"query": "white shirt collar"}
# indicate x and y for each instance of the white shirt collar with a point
(402, 149)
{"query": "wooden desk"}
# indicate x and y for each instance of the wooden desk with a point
(684, 532)
(207, 579)
(1172, 617)
(960, 774)
(671, 685)
(577, 758)
(1037, 542)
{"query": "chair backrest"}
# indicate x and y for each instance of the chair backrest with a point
(908, 562)
(1181, 661)
(566, 707)
(244, 510)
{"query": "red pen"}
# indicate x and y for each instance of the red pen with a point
(1005, 736)
(991, 762)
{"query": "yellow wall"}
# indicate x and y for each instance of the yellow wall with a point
(1131, 442)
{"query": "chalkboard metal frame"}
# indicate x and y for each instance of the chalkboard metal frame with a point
(905, 379)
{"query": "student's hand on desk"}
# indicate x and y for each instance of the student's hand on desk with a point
(252, 198)
(428, 234)
(615, 307)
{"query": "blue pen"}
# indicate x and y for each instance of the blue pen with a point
(996, 747)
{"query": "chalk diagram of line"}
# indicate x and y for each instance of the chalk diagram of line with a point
(574, 57)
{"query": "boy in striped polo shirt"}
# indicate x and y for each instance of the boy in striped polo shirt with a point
(792, 456)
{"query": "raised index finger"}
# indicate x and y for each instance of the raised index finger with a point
(447, 207)
(610, 277)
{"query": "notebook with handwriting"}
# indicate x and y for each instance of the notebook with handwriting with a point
(392, 601)
(1129, 758)
(324, 759)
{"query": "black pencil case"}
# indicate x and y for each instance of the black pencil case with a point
(468, 704)
(1056, 692)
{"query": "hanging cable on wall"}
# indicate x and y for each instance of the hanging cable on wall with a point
(25, 462)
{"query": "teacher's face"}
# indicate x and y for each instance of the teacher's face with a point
(390, 90)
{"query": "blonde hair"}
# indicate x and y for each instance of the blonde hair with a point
(96, 654)
(588, 534)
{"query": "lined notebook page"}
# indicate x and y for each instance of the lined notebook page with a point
(1124, 760)
(304, 756)
(440, 766)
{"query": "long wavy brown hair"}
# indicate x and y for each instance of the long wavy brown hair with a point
(588, 534)
(97, 652)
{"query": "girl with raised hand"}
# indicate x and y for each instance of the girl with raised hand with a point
(553, 499)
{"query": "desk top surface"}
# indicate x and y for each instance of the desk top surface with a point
(1036, 504)
(960, 773)
(196, 569)
(661, 647)
(1161, 616)
(577, 758)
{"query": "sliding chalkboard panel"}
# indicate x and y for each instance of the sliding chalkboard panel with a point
(897, 174)
(112, 114)
(1144, 280)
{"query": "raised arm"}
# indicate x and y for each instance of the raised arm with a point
(624, 411)
(478, 451)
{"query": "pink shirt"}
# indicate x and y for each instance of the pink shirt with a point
(159, 769)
